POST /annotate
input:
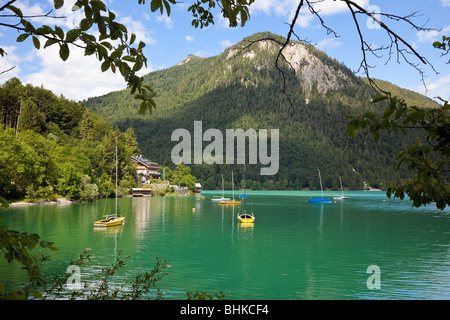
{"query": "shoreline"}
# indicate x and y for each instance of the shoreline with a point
(64, 201)
(61, 201)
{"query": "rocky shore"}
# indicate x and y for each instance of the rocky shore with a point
(41, 202)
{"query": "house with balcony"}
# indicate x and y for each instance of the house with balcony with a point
(145, 169)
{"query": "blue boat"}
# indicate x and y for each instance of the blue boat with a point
(320, 200)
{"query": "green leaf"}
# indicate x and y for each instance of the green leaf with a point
(28, 26)
(129, 58)
(167, 5)
(379, 98)
(22, 37)
(59, 32)
(58, 4)
(138, 65)
(417, 115)
(352, 128)
(370, 115)
(50, 42)
(155, 5)
(105, 65)
(106, 44)
(36, 43)
(17, 11)
(64, 51)
(98, 5)
(72, 35)
(388, 112)
(44, 30)
(132, 39)
(85, 24)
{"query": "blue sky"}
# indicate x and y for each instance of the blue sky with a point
(170, 39)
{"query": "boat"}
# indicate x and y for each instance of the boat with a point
(111, 220)
(231, 201)
(320, 200)
(342, 197)
(245, 218)
(215, 199)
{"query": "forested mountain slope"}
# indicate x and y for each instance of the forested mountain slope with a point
(243, 89)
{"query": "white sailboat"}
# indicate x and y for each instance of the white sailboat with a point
(342, 197)
(216, 199)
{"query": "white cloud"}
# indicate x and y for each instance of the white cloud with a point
(438, 88)
(279, 7)
(328, 44)
(432, 35)
(139, 29)
(287, 8)
(45, 13)
(226, 43)
(304, 20)
(167, 21)
(445, 3)
(189, 38)
(77, 78)
(331, 7)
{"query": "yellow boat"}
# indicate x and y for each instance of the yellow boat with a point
(246, 218)
(110, 222)
(230, 202)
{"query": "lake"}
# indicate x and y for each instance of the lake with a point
(294, 250)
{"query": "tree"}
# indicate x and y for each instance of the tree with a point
(31, 118)
(428, 156)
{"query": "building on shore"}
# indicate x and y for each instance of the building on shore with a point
(145, 169)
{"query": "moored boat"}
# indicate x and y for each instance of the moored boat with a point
(318, 200)
(246, 218)
(231, 201)
(342, 197)
(111, 220)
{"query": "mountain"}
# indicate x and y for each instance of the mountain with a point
(242, 89)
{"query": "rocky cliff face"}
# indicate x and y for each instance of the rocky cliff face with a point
(310, 69)
(308, 66)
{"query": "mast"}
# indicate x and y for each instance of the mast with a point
(116, 180)
(342, 189)
(320, 182)
(223, 192)
(232, 182)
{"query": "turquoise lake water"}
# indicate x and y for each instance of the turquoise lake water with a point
(294, 250)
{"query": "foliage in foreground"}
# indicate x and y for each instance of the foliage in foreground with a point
(427, 156)
(144, 286)
(18, 245)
